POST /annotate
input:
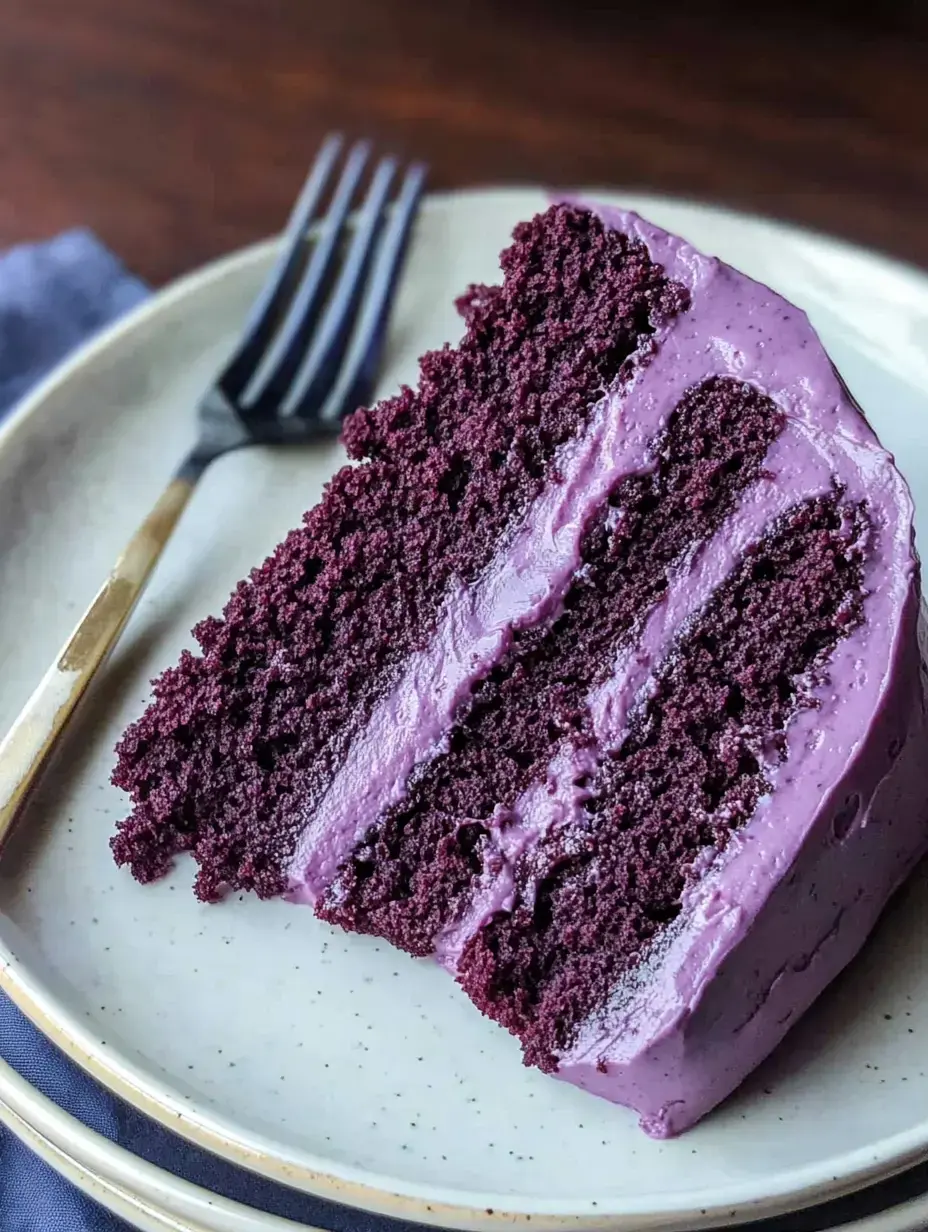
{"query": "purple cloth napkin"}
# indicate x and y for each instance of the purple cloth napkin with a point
(53, 296)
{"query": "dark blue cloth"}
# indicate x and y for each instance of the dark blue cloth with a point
(53, 296)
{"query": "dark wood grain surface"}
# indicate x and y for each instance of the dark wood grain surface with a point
(180, 129)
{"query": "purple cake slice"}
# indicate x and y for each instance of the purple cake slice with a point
(598, 680)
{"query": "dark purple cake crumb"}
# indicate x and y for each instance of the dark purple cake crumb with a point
(689, 773)
(241, 739)
(405, 880)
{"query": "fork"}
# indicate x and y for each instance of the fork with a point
(308, 355)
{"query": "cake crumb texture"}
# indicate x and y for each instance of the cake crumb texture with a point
(689, 773)
(242, 737)
(420, 864)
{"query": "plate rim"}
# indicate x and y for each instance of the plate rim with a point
(797, 1188)
(98, 1166)
(131, 1186)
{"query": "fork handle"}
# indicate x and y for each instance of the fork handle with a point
(27, 745)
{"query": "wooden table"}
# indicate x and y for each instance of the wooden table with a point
(180, 129)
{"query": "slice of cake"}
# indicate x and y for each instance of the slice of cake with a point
(597, 681)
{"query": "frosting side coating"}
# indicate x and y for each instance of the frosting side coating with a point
(798, 890)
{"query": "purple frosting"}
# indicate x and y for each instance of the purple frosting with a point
(775, 916)
(794, 896)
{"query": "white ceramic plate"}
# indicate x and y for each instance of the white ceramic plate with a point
(327, 1061)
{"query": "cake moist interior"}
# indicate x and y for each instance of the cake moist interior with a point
(412, 871)
(242, 738)
(691, 770)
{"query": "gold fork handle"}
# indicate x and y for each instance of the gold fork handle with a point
(35, 732)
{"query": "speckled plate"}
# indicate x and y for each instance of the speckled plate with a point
(156, 1201)
(331, 1062)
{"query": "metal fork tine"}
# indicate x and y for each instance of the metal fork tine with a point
(317, 373)
(279, 286)
(355, 382)
(276, 370)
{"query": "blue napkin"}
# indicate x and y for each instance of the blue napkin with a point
(53, 296)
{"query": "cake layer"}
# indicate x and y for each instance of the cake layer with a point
(771, 925)
(242, 740)
(429, 851)
(686, 773)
